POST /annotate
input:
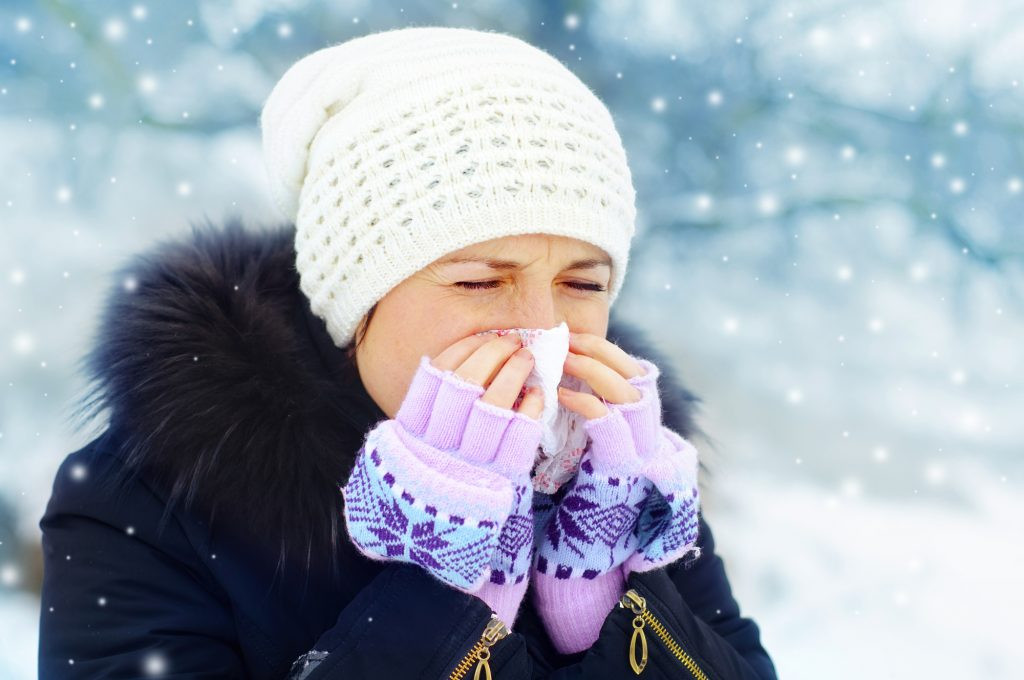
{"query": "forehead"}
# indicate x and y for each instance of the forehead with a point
(536, 245)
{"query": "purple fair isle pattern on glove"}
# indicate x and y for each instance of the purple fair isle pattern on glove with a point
(510, 564)
(667, 527)
(436, 485)
(387, 521)
(592, 530)
(588, 535)
(654, 477)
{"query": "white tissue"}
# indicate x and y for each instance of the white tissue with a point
(563, 439)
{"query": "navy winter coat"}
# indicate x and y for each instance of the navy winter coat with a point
(199, 534)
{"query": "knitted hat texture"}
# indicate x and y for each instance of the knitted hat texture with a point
(394, 148)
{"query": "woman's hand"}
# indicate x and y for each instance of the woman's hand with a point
(613, 517)
(446, 483)
(667, 527)
(461, 402)
(606, 368)
(499, 363)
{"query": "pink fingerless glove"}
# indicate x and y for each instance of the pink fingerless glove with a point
(667, 526)
(631, 507)
(445, 484)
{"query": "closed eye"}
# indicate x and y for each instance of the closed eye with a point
(477, 285)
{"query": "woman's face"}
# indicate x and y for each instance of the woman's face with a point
(525, 281)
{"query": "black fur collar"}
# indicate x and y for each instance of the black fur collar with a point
(223, 387)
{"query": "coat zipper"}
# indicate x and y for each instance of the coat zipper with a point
(480, 653)
(635, 602)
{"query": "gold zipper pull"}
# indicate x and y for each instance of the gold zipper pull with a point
(495, 630)
(633, 601)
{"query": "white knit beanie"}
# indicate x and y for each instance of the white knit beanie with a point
(395, 148)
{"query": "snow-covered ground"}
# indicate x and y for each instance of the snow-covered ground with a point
(846, 587)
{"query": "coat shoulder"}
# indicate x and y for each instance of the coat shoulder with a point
(90, 486)
(205, 371)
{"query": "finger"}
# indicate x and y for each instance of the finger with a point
(604, 381)
(532, 404)
(518, 450)
(607, 352)
(446, 426)
(508, 383)
(455, 354)
(488, 359)
(587, 405)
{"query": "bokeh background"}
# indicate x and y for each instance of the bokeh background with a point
(829, 248)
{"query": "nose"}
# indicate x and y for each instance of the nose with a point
(536, 308)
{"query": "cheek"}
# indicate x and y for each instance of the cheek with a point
(418, 324)
(591, 319)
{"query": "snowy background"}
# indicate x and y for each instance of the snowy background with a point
(831, 198)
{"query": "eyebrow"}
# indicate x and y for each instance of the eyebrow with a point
(504, 265)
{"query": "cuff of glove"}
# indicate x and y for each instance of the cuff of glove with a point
(504, 599)
(640, 562)
(674, 465)
(433, 475)
(397, 507)
(573, 610)
(668, 524)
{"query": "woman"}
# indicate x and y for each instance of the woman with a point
(318, 465)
